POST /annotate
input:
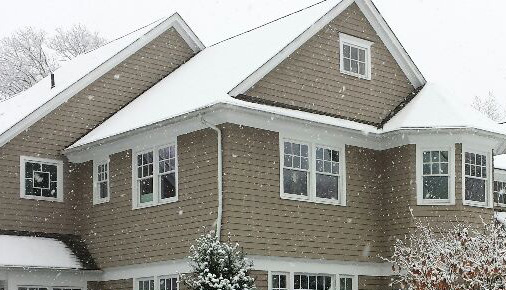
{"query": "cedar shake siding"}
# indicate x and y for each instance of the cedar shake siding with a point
(264, 224)
(124, 284)
(373, 283)
(310, 78)
(117, 235)
(381, 190)
(72, 120)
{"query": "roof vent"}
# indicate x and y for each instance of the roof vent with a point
(52, 80)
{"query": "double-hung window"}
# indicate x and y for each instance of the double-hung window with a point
(500, 188)
(146, 284)
(312, 282)
(355, 56)
(158, 283)
(312, 172)
(101, 189)
(476, 178)
(279, 281)
(168, 283)
(155, 176)
(435, 175)
(41, 179)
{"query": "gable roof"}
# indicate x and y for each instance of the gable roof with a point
(228, 68)
(21, 111)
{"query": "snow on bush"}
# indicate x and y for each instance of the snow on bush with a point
(458, 258)
(217, 265)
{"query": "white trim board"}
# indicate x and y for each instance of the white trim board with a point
(375, 19)
(264, 263)
(173, 21)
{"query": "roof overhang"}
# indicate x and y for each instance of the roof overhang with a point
(218, 113)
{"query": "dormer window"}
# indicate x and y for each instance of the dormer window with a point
(355, 56)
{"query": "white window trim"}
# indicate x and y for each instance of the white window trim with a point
(96, 192)
(500, 177)
(419, 175)
(59, 176)
(362, 43)
(156, 188)
(489, 183)
(311, 197)
(290, 276)
(156, 279)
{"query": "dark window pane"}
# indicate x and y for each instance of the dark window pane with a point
(361, 55)
(347, 65)
(162, 284)
(426, 156)
(295, 182)
(168, 185)
(354, 53)
(354, 66)
(103, 189)
(296, 282)
(41, 179)
(320, 283)
(275, 281)
(28, 170)
(174, 284)
(327, 186)
(282, 281)
(328, 282)
(361, 68)
(312, 282)
(346, 50)
(475, 189)
(28, 187)
(304, 282)
(435, 187)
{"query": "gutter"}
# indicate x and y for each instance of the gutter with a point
(220, 176)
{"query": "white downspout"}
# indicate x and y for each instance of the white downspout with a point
(220, 177)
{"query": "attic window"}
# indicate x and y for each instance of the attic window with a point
(355, 56)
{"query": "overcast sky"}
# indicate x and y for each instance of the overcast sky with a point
(455, 42)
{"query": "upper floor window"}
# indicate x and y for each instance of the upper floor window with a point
(312, 172)
(355, 56)
(476, 178)
(155, 176)
(435, 175)
(101, 189)
(41, 179)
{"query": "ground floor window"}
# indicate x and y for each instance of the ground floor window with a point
(170, 282)
(310, 281)
(500, 192)
(46, 288)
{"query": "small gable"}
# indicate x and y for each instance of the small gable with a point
(310, 79)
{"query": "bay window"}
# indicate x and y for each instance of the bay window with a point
(435, 175)
(155, 176)
(312, 172)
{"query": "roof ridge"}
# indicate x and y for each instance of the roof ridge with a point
(269, 22)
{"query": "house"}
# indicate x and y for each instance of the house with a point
(311, 141)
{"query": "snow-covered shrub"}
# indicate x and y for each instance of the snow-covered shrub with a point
(454, 259)
(218, 265)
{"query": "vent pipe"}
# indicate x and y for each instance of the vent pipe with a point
(52, 80)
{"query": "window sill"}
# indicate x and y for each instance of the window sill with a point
(307, 199)
(153, 204)
(442, 202)
(101, 201)
(364, 77)
(42, 198)
(501, 205)
(476, 204)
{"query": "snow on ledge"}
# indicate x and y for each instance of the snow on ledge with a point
(500, 217)
(36, 252)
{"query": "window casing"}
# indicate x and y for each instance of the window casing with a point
(41, 179)
(355, 56)
(312, 172)
(154, 176)
(101, 184)
(476, 178)
(169, 282)
(435, 175)
(500, 188)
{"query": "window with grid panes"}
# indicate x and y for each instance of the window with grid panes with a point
(435, 175)
(312, 282)
(475, 169)
(296, 168)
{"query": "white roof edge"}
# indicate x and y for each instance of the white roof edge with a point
(375, 19)
(174, 20)
(211, 107)
(392, 42)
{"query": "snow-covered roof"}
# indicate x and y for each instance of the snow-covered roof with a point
(500, 161)
(79, 72)
(36, 252)
(435, 106)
